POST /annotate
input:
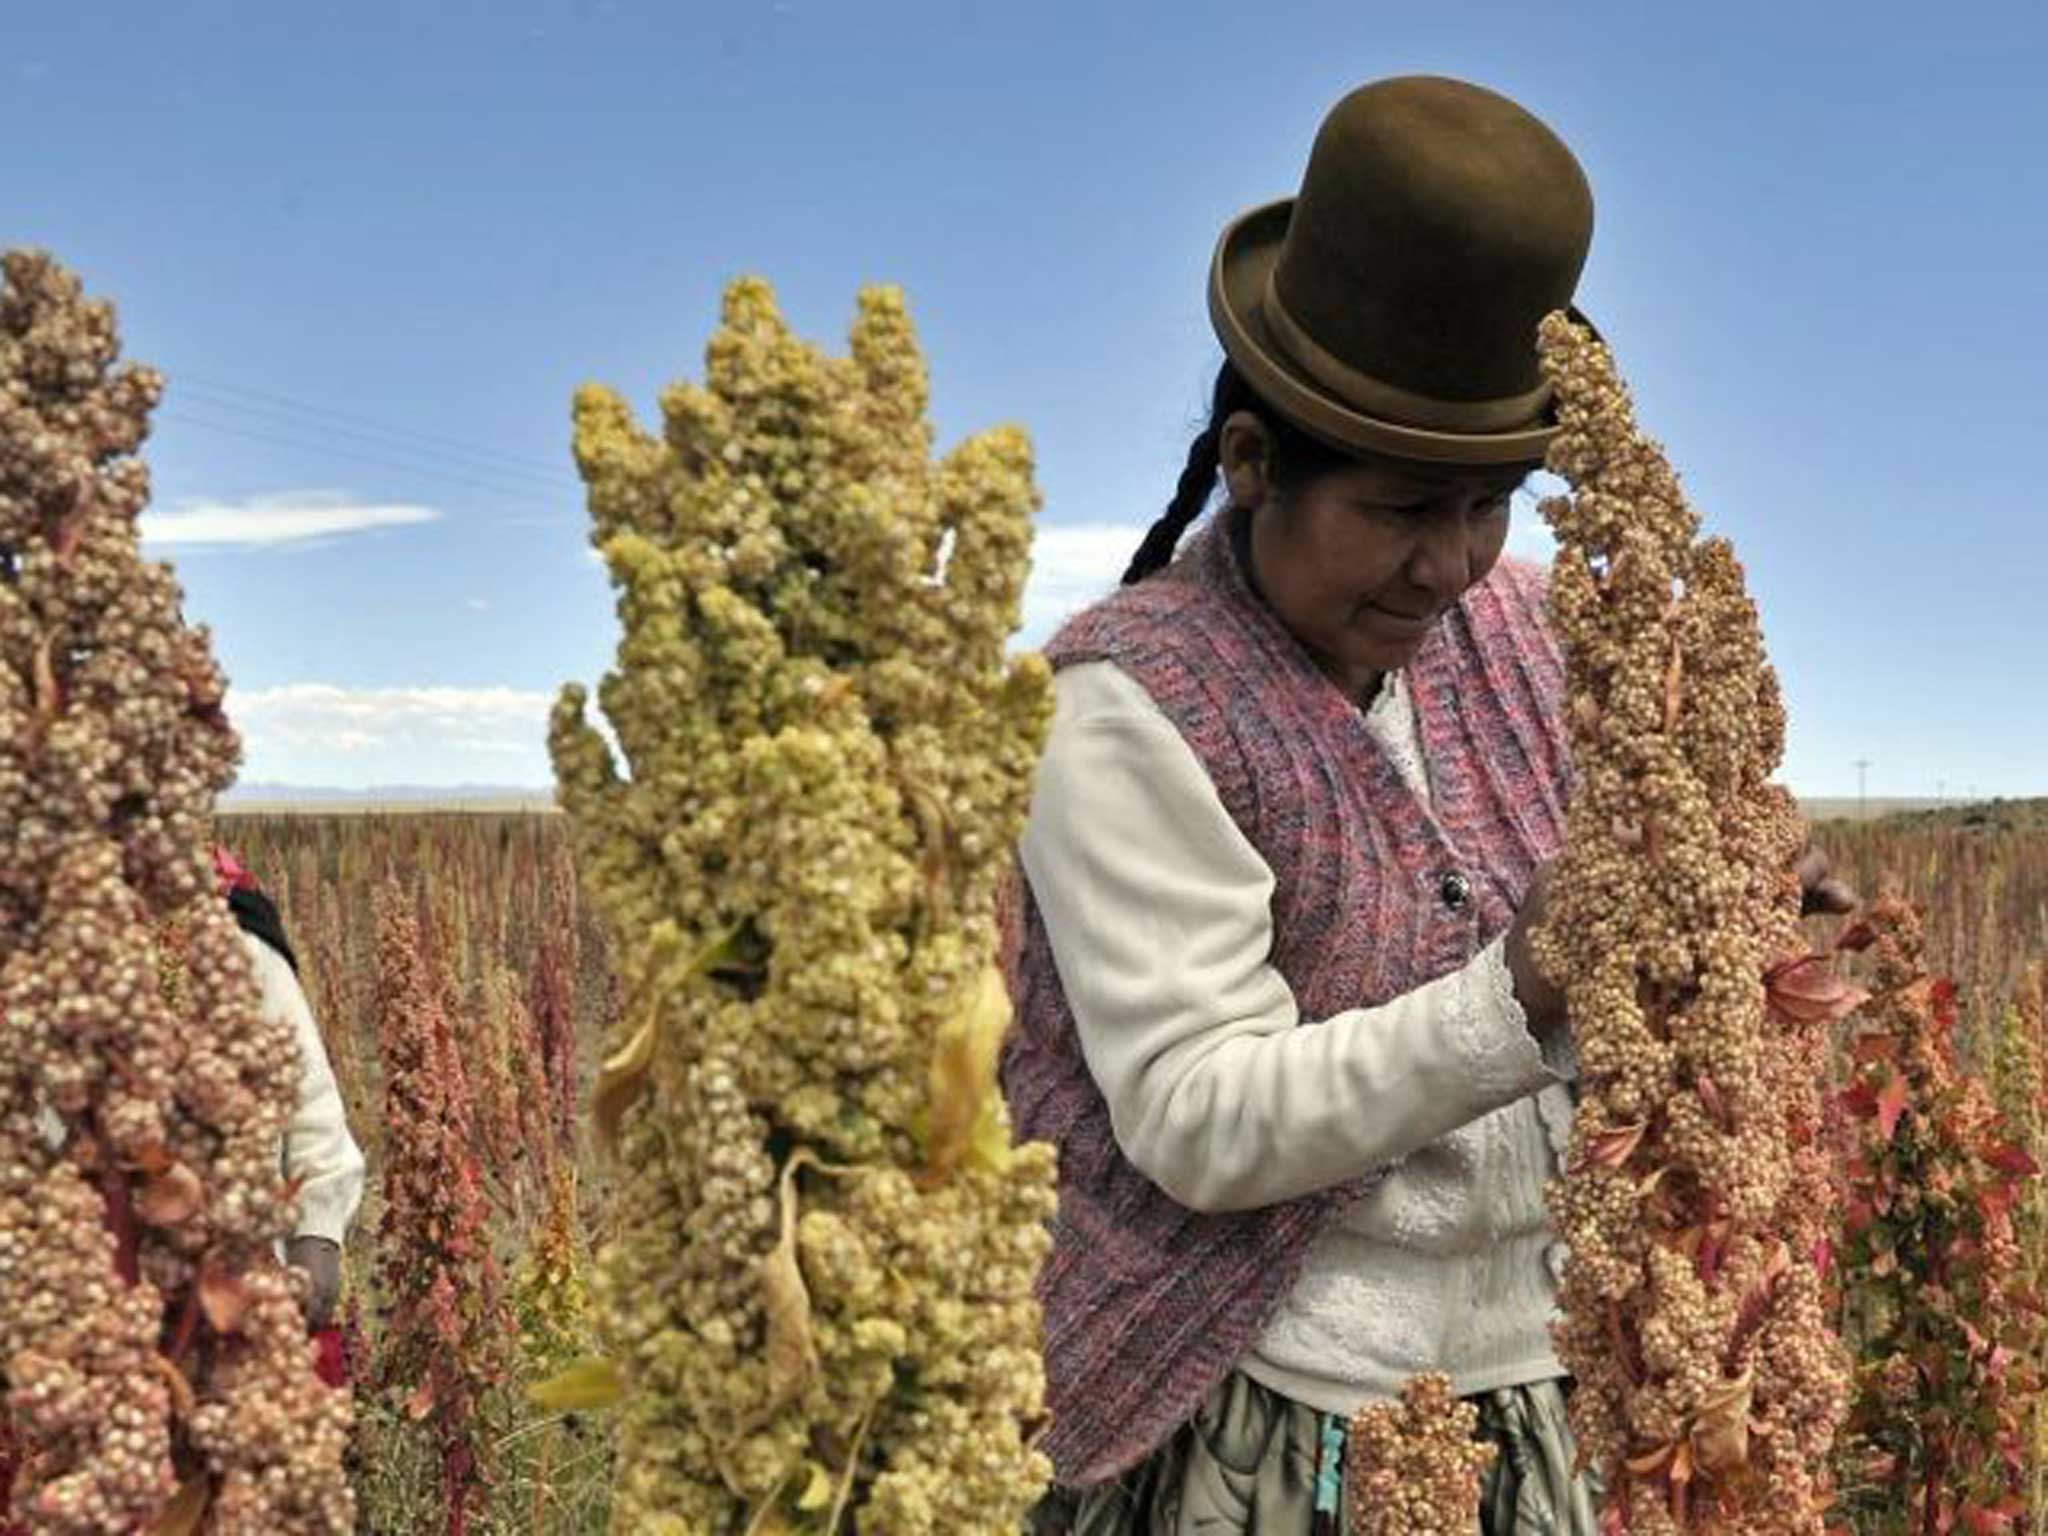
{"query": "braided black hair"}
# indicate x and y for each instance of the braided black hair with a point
(1293, 457)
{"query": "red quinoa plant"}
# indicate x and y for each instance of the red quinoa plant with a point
(1936, 1298)
(552, 1002)
(444, 1322)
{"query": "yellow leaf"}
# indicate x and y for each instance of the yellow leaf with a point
(817, 1489)
(622, 1079)
(585, 1385)
(792, 1356)
(991, 1147)
(964, 1121)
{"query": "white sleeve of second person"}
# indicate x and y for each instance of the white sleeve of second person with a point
(318, 1149)
(1158, 911)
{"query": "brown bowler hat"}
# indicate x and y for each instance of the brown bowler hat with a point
(1392, 306)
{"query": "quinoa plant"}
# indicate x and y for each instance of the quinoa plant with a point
(152, 1351)
(551, 1003)
(444, 1325)
(2023, 1100)
(1695, 1200)
(1938, 1303)
(1413, 1467)
(818, 1291)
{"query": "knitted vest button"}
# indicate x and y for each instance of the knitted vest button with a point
(1456, 890)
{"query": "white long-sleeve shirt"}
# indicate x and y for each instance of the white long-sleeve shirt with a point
(1158, 911)
(318, 1149)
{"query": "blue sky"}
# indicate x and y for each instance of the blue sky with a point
(376, 246)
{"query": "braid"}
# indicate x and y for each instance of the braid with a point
(1189, 497)
(1197, 479)
(1293, 457)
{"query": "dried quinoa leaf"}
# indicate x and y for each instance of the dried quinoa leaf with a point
(966, 1119)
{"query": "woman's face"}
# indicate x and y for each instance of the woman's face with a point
(1360, 562)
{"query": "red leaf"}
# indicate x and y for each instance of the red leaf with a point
(1710, 1099)
(1806, 990)
(1611, 1146)
(1941, 997)
(171, 1197)
(223, 1297)
(1857, 1216)
(1891, 1102)
(1858, 935)
(1980, 1521)
(1860, 1099)
(1713, 1246)
(420, 1401)
(1995, 1202)
(2007, 1158)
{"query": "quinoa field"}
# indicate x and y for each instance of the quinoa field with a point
(694, 1204)
(529, 996)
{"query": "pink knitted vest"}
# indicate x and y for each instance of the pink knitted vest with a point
(1149, 1304)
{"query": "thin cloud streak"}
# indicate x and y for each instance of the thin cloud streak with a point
(285, 517)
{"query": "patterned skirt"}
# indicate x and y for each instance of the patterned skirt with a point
(1256, 1463)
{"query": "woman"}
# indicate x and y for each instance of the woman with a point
(1274, 995)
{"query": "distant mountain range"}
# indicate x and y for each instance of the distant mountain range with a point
(530, 797)
(326, 796)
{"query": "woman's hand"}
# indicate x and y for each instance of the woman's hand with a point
(1820, 891)
(321, 1261)
(1542, 1002)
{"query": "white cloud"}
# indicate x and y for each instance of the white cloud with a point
(476, 604)
(1528, 534)
(1072, 564)
(323, 733)
(284, 517)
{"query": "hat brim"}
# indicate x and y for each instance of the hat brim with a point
(1245, 256)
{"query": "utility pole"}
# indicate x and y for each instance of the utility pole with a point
(1862, 789)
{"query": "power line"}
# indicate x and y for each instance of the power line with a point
(533, 497)
(219, 386)
(465, 458)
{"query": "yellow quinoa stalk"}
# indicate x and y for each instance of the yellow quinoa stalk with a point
(1694, 1201)
(152, 1351)
(819, 1296)
(550, 1291)
(1413, 1467)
